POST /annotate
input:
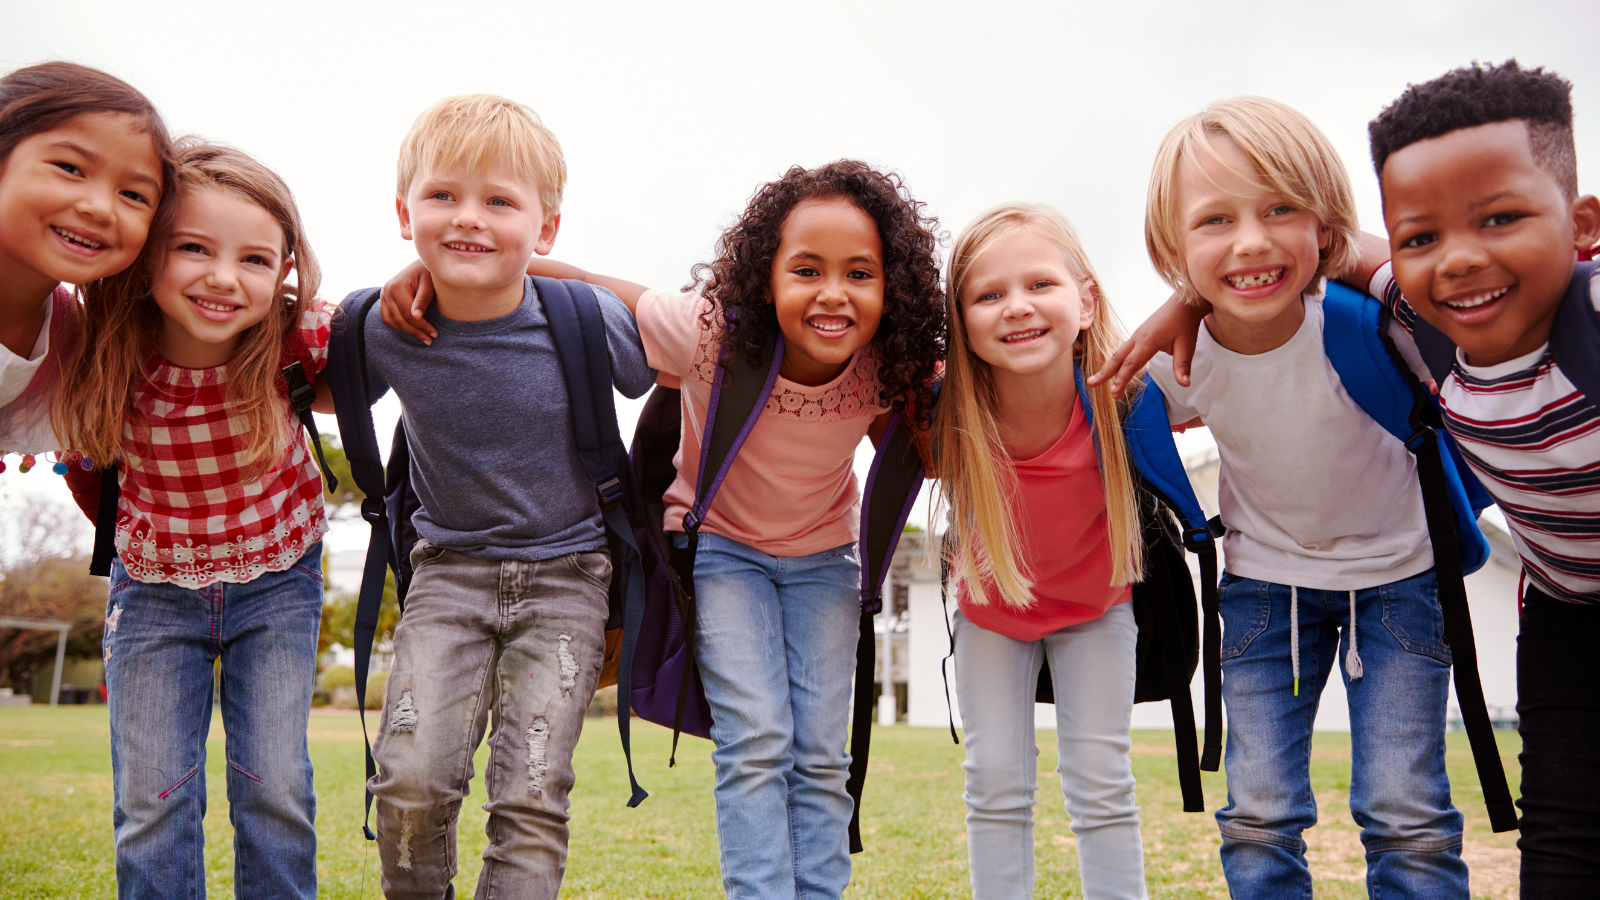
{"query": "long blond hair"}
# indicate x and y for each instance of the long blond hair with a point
(122, 323)
(977, 481)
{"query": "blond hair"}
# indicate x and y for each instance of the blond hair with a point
(475, 131)
(1289, 154)
(122, 323)
(977, 481)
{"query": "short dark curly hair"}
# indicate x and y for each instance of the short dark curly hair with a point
(1480, 95)
(911, 335)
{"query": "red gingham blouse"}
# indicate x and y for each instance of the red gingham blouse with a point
(186, 515)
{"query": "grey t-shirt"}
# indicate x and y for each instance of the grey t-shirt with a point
(486, 411)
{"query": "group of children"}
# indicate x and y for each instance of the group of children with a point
(195, 286)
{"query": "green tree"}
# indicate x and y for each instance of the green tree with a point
(45, 575)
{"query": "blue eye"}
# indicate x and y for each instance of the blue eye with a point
(1281, 209)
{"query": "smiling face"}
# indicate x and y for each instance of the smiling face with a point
(475, 232)
(1248, 250)
(1023, 308)
(1483, 239)
(76, 201)
(827, 287)
(223, 267)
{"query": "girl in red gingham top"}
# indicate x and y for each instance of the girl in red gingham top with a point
(176, 382)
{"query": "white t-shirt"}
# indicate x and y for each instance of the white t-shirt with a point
(1534, 441)
(1314, 493)
(25, 424)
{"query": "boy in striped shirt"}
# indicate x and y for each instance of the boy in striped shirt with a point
(1478, 173)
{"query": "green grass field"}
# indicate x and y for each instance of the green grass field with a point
(55, 828)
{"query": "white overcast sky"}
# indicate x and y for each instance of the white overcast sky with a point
(671, 114)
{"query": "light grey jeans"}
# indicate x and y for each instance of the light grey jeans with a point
(524, 639)
(1093, 668)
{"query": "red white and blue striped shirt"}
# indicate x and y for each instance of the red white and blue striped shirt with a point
(1533, 439)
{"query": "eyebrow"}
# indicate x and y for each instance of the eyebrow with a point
(1494, 198)
(860, 257)
(248, 248)
(94, 157)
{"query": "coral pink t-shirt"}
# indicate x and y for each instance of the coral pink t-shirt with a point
(1061, 515)
(792, 489)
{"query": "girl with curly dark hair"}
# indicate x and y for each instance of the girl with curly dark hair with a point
(843, 263)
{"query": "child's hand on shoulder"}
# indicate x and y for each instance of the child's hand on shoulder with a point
(1173, 328)
(404, 299)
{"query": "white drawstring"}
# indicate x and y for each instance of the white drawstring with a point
(1352, 660)
(1294, 635)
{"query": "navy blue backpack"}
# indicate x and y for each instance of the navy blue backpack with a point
(580, 339)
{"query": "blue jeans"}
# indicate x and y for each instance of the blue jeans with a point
(1092, 668)
(160, 643)
(776, 645)
(1399, 791)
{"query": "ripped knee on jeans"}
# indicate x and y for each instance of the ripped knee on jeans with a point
(538, 739)
(403, 717)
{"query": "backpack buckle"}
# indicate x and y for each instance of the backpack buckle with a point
(372, 510)
(1195, 538)
(1420, 438)
(301, 393)
(691, 522)
(610, 494)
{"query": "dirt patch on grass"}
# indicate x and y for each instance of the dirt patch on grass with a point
(1337, 854)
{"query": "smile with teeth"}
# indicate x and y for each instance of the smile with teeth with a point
(1021, 336)
(1476, 300)
(1260, 279)
(78, 239)
(212, 305)
(467, 248)
(829, 324)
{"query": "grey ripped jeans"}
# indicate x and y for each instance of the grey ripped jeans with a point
(525, 639)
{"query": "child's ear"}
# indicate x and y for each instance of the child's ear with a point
(405, 217)
(1585, 222)
(1089, 304)
(288, 266)
(547, 235)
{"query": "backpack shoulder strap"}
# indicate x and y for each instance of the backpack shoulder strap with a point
(346, 377)
(1356, 339)
(1355, 335)
(579, 333)
(893, 483)
(1575, 337)
(737, 399)
(1160, 470)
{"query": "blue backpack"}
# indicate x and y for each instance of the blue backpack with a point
(1356, 337)
(580, 340)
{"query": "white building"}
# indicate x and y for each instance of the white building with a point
(1491, 594)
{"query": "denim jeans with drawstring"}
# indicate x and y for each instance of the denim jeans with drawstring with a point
(1399, 791)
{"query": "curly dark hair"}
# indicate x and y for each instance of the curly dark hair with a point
(911, 336)
(1480, 95)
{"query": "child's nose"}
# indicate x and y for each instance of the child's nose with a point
(95, 205)
(1250, 237)
(1462, 256)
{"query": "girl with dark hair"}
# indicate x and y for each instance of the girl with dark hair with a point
(842, 262)
(85, 171)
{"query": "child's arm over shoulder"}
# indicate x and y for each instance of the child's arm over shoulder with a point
(407, 295)
(630, 371)
(1171, 329)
